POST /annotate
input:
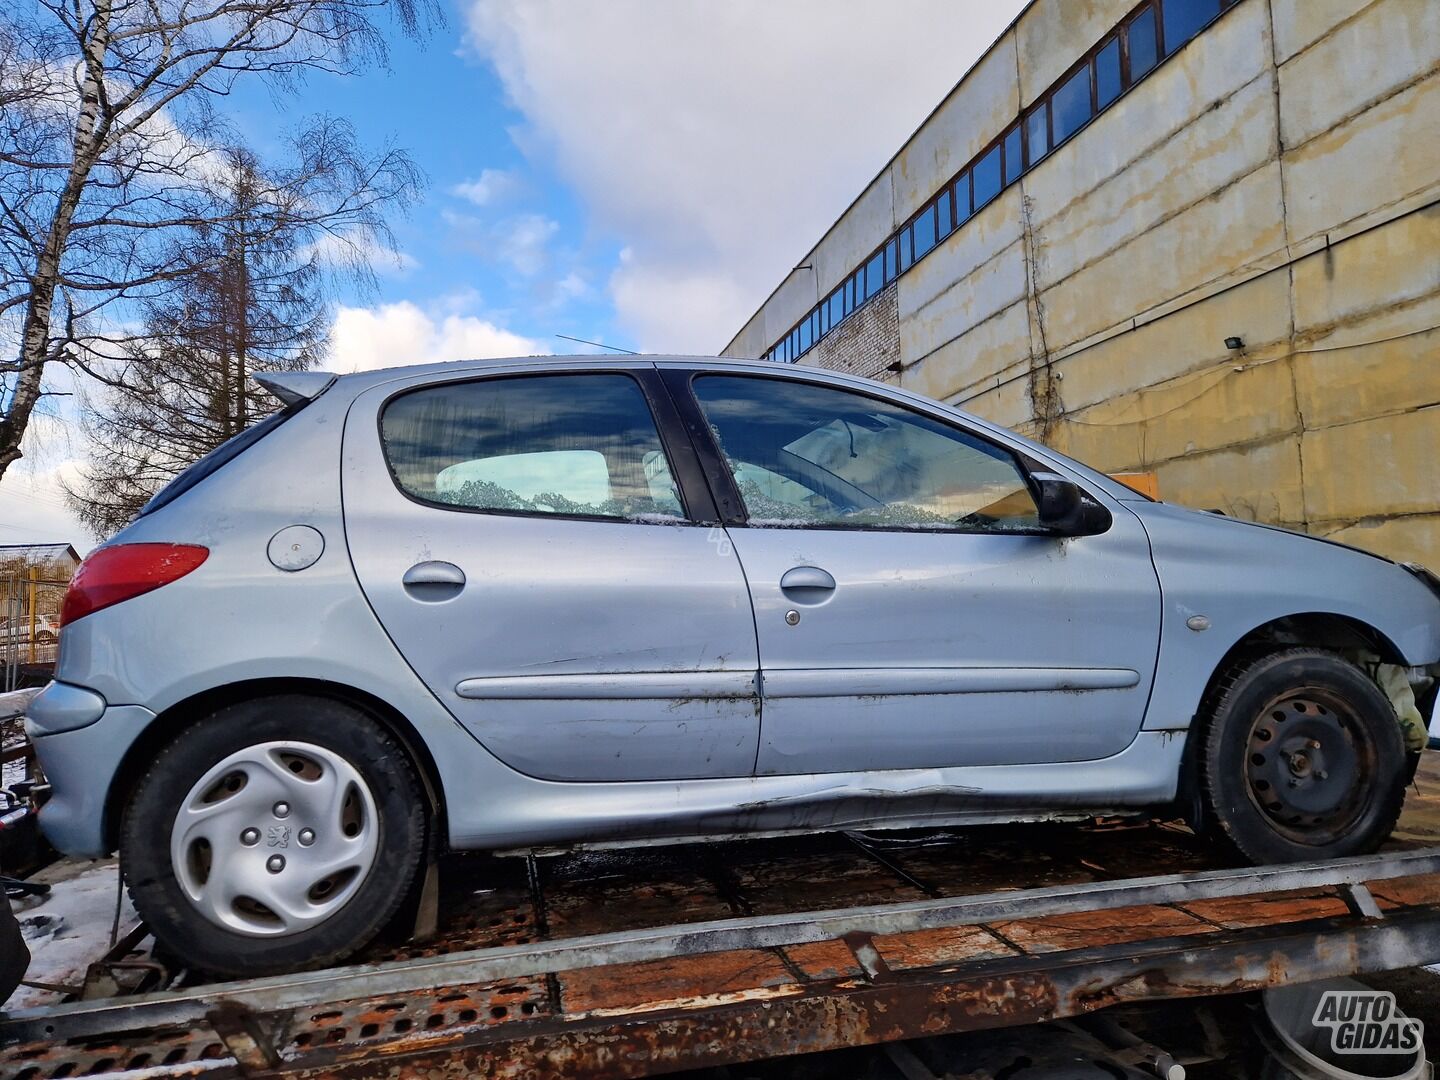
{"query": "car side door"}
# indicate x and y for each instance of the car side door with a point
(911, 609)
(529, 542)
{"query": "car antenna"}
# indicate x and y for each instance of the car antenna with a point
(599, 345)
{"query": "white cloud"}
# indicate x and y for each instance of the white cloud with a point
(31, 495)
(394, 335)
(524, 241)
(491, 186)
(342, 251)
(721, 140)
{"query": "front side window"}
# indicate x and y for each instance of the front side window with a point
(580, 445)
(808, 455)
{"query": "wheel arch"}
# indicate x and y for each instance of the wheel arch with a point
(1319, 629)
(170, 722)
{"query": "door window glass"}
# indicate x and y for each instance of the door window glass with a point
(804, 454)
(582, 445)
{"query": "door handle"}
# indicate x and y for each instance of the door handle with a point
(807, 584)
(433, 581)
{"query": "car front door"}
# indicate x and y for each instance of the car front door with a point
(524, 541)
(911, 610)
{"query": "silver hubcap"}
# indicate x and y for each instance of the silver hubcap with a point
(275, 838)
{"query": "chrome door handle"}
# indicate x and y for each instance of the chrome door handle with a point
(807, 584)
(435, 580)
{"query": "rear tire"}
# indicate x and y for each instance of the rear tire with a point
(274, 835)
(1302, 759)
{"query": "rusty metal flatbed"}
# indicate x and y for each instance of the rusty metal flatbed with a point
(633, 963)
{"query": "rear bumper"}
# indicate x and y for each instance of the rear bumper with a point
(81, 765)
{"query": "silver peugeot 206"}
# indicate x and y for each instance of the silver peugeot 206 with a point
(561, 601)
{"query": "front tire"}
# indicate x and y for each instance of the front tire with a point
(274, 835)
(1302, 759)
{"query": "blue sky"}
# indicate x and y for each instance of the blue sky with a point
(638, 172)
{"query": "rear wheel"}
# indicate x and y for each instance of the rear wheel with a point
(1302, 758)
(274, 835)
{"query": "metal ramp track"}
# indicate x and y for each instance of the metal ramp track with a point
(844, 976)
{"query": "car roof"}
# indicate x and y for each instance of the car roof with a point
(355, 382)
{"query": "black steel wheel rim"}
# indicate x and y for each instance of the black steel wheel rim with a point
(1310, 765)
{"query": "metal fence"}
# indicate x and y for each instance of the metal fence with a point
(29, 625)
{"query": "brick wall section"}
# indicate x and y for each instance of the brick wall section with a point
(866, 343)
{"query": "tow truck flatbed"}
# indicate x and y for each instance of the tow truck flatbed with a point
(658, 960)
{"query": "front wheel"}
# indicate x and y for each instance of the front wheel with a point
(1302, 758)
(274, 835)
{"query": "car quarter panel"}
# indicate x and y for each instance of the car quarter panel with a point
(239, 618)
(1238, 576)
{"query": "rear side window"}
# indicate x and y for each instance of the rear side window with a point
(575, 445)
(226, 452)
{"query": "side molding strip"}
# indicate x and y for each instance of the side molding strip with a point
(612, 686)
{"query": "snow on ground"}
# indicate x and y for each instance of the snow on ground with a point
(69, 928)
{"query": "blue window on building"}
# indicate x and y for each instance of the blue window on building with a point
(1014, 158)
(1070, 106)
(1107, 74)
(986, 175)
(1140, 37)
(1132, 49)
(1037, 135)
(924, 229)
(1183, 19)
(874, 275)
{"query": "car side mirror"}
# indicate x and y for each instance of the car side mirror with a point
(1065, 509)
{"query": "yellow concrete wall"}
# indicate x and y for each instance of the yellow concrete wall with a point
(1278, 180)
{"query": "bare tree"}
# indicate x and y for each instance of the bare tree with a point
(181, 385)
(108, 146)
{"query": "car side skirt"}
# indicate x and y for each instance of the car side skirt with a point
(539, 813)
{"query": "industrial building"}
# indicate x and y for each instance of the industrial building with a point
(1194, 237)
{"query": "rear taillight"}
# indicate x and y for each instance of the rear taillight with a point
(124, 571)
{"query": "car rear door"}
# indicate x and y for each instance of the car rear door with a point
(530, 544)
(910, 610)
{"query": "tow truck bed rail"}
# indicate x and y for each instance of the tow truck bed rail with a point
(1015, 926)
